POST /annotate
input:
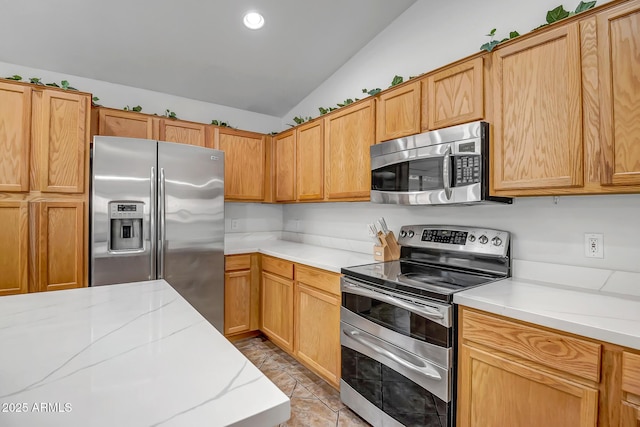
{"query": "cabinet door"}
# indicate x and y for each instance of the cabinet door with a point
(619, 71)
(455, 95)
(15, 136)
(124, 124)
(14, 250)
(398, 112)
(61, 122)
(285, 166)
(495, 391)
(538, 112)
(277, 309)
(349, 132)
(59, 248)
(237, 302)
(318, 342)
(310, 160)
(629, 415)
(184, 133)
(244, 164)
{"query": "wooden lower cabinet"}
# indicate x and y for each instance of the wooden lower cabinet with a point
(497, 391)
(300, 313)
(14, 247)
(317, 322)
(630, 407)
(241, 294)
(511, 373)
(58, 245)
(237, 297)
(629, 415)
(276, 317)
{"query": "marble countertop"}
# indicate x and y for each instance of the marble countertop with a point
(591, 310)
(315, 256)
(133, 354)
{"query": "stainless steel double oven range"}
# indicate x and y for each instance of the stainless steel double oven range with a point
(398, 323)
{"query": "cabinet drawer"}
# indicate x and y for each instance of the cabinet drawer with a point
(631, 373)
(237, 262)
(554, 350)
(320, 279)
(277, 266)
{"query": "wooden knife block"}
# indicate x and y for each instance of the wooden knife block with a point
(388, 250)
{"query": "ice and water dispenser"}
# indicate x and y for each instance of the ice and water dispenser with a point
(125, 223)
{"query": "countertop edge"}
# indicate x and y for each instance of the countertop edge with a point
(611, 336)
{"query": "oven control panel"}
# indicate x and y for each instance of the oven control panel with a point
(456, 238)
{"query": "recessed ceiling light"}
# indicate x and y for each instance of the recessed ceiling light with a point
(253, 20)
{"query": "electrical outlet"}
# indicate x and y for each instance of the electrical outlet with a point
(234, 224)
(594, 245)
(297, 222)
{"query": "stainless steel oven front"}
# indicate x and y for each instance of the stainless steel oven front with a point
(397, 356)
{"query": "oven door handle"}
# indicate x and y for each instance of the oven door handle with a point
(446, 173)
(425, 369)
(415, 308)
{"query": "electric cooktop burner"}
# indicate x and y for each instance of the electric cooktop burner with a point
(438, 261)
(416, 279)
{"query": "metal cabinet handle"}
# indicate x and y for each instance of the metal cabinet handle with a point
(415, 308)
(152, 224)
(446, 173)
(162, 228)
(425, 369)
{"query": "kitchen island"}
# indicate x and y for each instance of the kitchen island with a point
(133, 354)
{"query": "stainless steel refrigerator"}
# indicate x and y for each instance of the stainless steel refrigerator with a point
(157, 212)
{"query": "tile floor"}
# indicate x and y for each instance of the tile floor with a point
(314, 403)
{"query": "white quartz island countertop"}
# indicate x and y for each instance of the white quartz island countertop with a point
(125, 355)
(601, 315)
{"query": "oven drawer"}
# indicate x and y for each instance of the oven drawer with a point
(432, 377)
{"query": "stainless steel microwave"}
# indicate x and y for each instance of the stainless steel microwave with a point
(446, 166)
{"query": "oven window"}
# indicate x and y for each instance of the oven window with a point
(396, 395)
(398, 319)
(416, 175)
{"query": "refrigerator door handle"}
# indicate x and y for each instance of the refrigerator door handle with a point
(153, 238)
(162, 225)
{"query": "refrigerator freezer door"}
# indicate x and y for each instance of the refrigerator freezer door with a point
(191, 231)
(123, 192)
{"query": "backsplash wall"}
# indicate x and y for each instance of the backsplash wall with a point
(542, 231)
(252, 217)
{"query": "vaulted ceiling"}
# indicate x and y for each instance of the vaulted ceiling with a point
(194, 48)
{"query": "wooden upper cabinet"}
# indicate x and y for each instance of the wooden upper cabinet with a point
(58, 244)
(454, 95)
(185, 133)
(537, 139)
(60, 132)
(349, 132)
(14, 247)
(619, 73)
(285, 166)
(124, 124)
(15, 136)
(398, 112)
(310, 161)
(244, 164)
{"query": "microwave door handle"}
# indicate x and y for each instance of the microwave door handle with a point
(420, 310)
(446, 173)
(425, 369)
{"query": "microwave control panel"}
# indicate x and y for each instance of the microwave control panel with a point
(467, 170)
